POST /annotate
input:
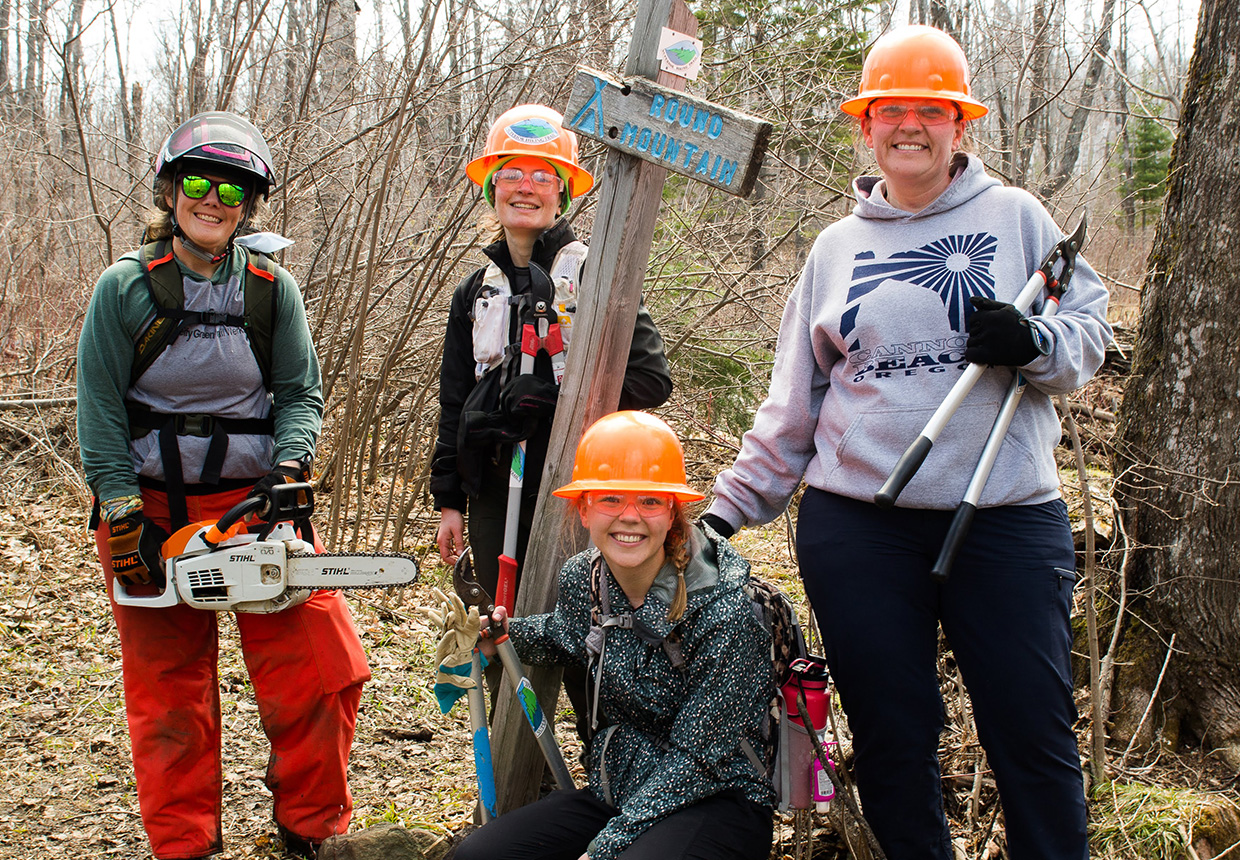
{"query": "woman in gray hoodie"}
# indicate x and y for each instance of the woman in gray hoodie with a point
(895, 301)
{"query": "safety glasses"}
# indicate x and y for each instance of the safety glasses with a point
(511, 176)
(198, 187)
(614, 504)
(928, 113)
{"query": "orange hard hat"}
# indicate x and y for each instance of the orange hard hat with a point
(536, 131)
(916, 62)
(633, 452)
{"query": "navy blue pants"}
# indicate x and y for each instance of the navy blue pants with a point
(725, 826)
(1004, 612)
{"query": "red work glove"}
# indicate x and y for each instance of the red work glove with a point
(134, 542)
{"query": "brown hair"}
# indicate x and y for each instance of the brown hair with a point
(158, 218)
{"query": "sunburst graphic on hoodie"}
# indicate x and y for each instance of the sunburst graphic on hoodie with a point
(954, 267)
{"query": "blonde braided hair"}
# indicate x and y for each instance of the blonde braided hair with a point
(679, 550)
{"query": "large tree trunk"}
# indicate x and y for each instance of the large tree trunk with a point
(1179, 459)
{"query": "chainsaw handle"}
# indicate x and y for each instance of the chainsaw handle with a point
(168, 597)
(276, 504)
(216, 534)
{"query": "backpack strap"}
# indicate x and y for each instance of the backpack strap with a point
(163, 284)
(601, 620)
(167, 292)
(261, 285)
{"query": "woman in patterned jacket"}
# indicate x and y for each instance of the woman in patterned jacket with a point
(674, 687)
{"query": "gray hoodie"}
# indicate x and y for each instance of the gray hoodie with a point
(872, 339)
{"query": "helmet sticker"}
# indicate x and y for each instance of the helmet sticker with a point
(238, 156)
(533, 131)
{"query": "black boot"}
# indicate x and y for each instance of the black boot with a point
(299, 846)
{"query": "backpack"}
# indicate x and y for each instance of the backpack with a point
(791, 766)
(163, 282)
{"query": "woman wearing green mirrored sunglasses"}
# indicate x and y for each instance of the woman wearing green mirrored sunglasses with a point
(197, 328)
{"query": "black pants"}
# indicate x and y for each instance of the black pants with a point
(1004, 612)
(726, 826)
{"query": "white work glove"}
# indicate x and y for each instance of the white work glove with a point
(455, 652)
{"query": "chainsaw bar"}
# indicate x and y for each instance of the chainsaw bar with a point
(350, 571)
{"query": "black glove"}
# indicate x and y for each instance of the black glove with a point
(529, 396)
(719, 524)
(999, 335)
(134, 542)
(282, 475)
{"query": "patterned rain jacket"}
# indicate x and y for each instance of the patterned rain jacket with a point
(677, 731)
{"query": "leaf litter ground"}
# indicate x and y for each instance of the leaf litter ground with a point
(66, 778)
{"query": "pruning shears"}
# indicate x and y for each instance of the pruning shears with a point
(472, 593)
(1064, 252)
(540, 332)
(1063, 256)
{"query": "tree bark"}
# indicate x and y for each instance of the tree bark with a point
(1179, 453)
(1128, 202)
(6, 11)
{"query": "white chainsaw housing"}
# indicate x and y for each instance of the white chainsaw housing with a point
(242, 574)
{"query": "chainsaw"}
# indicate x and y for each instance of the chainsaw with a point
(222, 566)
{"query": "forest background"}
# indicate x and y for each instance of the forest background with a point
(371, 114)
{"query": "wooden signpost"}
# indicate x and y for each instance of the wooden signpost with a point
(720, 147)
(630, 192)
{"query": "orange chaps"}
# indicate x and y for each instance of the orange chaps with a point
(307, 667)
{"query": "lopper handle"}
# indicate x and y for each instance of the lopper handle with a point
(482, 742)
(904, 471)
(527, 700)
(506, 587)
(956, 534)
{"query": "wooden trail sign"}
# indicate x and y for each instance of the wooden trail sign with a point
(631, 189)
(720, 147)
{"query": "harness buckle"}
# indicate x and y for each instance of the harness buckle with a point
(212, 318)
(195, 424)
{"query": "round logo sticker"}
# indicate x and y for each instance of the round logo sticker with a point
(682, 53)
(532, 131)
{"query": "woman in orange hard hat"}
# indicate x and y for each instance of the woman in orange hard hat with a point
(677, 781)
(895, 301)
(530, 174)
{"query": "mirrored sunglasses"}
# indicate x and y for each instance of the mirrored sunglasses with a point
(198, 187)
(614, 504)
(541, 178)
(928, 114)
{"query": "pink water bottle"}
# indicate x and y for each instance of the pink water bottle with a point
(808, 679)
